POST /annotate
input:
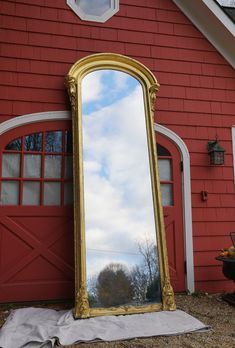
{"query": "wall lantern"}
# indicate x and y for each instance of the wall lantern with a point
(216, 152)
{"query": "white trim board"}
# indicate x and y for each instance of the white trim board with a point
(33, 118)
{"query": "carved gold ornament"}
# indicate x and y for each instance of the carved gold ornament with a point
(153, 95)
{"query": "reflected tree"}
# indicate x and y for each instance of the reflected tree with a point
(149, 252)
(14, 145)
(153, 290)
(114, 286)
(139, 280)
(92, 291)
(33, 142)
(145, 277)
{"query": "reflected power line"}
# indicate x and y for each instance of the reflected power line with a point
(113, 251)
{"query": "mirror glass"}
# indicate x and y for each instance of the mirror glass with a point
(121, 254)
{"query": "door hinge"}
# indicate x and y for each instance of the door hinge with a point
(182, 166)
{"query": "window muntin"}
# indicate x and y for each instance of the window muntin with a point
(37, 170)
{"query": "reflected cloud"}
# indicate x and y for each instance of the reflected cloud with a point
(117, 185)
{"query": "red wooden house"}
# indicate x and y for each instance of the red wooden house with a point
(189, 46)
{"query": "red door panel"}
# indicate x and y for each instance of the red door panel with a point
(36, 242)
(173, 212)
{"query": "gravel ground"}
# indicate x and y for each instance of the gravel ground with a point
(210, 309)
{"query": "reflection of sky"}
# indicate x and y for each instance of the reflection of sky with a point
(113, 84)
(118, 199)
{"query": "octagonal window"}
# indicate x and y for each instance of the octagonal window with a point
(94, 10)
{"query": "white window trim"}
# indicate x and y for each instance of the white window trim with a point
(114, 8)
(33, 118)
(187, 203)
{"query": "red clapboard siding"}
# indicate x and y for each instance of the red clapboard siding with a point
(40, 42)
(216, 286)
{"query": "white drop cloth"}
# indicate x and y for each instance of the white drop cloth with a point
(36, 327)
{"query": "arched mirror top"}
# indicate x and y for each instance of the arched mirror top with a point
(115, 62)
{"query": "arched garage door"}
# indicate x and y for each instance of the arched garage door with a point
(36, 222)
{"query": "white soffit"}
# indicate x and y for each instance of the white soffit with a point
(214, 24)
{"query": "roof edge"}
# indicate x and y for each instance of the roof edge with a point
(213, 23)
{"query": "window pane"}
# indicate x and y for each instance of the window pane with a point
(68, 193)
(53, 141)
(31, 193)
(32, 166)
(33, 142)
(68, 167)
(162, 151)
(164, 169)
(167, 195)
(14, 145)
(68, 142)
(52, 167)
(10, 193)
(11, 165)
(51, 193)
(94, 7)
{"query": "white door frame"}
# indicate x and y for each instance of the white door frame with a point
(186, 184)
(187, 204)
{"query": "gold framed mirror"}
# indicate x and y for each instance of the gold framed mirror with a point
(121, 262)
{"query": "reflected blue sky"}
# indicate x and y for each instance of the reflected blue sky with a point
(114, 85)
(117, 187)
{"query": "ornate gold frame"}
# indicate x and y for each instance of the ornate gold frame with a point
(150, 88)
